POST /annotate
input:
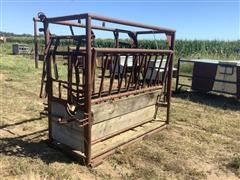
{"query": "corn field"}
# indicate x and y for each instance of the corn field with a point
(214, 49)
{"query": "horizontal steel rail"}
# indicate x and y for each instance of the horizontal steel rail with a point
(132, 50)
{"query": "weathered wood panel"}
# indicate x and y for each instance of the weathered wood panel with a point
(111, 109)
(119, 123)
(101, 147)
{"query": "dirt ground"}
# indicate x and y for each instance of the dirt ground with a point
(201, 142)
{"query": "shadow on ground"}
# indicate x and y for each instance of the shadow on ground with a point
(32, 145)
(218, 101)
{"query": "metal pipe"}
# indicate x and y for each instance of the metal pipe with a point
(132, 50)
(151, 32)
(169, 79)
(35, 43)
(75, 24)
(177, 77)
(49, 81)
(88, 93)
(98, 100)
(68, 18)
(129, 23)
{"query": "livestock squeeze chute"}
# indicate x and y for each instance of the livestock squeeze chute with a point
(100, 99)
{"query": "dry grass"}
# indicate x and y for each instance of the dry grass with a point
(202, 141)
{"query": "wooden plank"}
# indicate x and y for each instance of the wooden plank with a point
(105, 146)
(119, 123)
(111, 109)
(100, 157)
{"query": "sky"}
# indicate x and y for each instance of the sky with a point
(199, 19)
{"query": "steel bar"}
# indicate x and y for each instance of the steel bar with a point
(48, 82)
(113, 73)
(144, 59)
(132, 72)
(68, 18)
(88, 92)
(128, 23)
(66, 82)
(131, 50)
(68, 36)
(69, 78)
(75, 24)
(166, 70)
(154, 32)
(123, 73)
(153, 68)
(146, 65)
(44, 69)
(105, 62)
(94, 56)
(159, 68)
(35, 43)
(169, 80)
(94, 101)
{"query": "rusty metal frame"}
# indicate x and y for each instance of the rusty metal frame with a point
(90, 58)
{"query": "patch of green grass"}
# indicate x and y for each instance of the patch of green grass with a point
(234, 164)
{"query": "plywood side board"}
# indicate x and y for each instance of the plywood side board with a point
(121, 123)
(111, 109)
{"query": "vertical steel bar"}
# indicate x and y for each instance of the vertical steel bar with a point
(35, 43)
(169, 80)
(146, 65)
(132, 72)
(76, 68)
(157, 79)
(49, 77)
(123, 73)
(177, 76)
(144, 58)
(94, 59)
(54, 58)
(153, 68)
(116, 36)
(105, 63)
(112, 75)
(166, 68)
(118, 76)
(88, 92)
(70, 59)
(59, 90)
(71, 29)
(44, 69)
